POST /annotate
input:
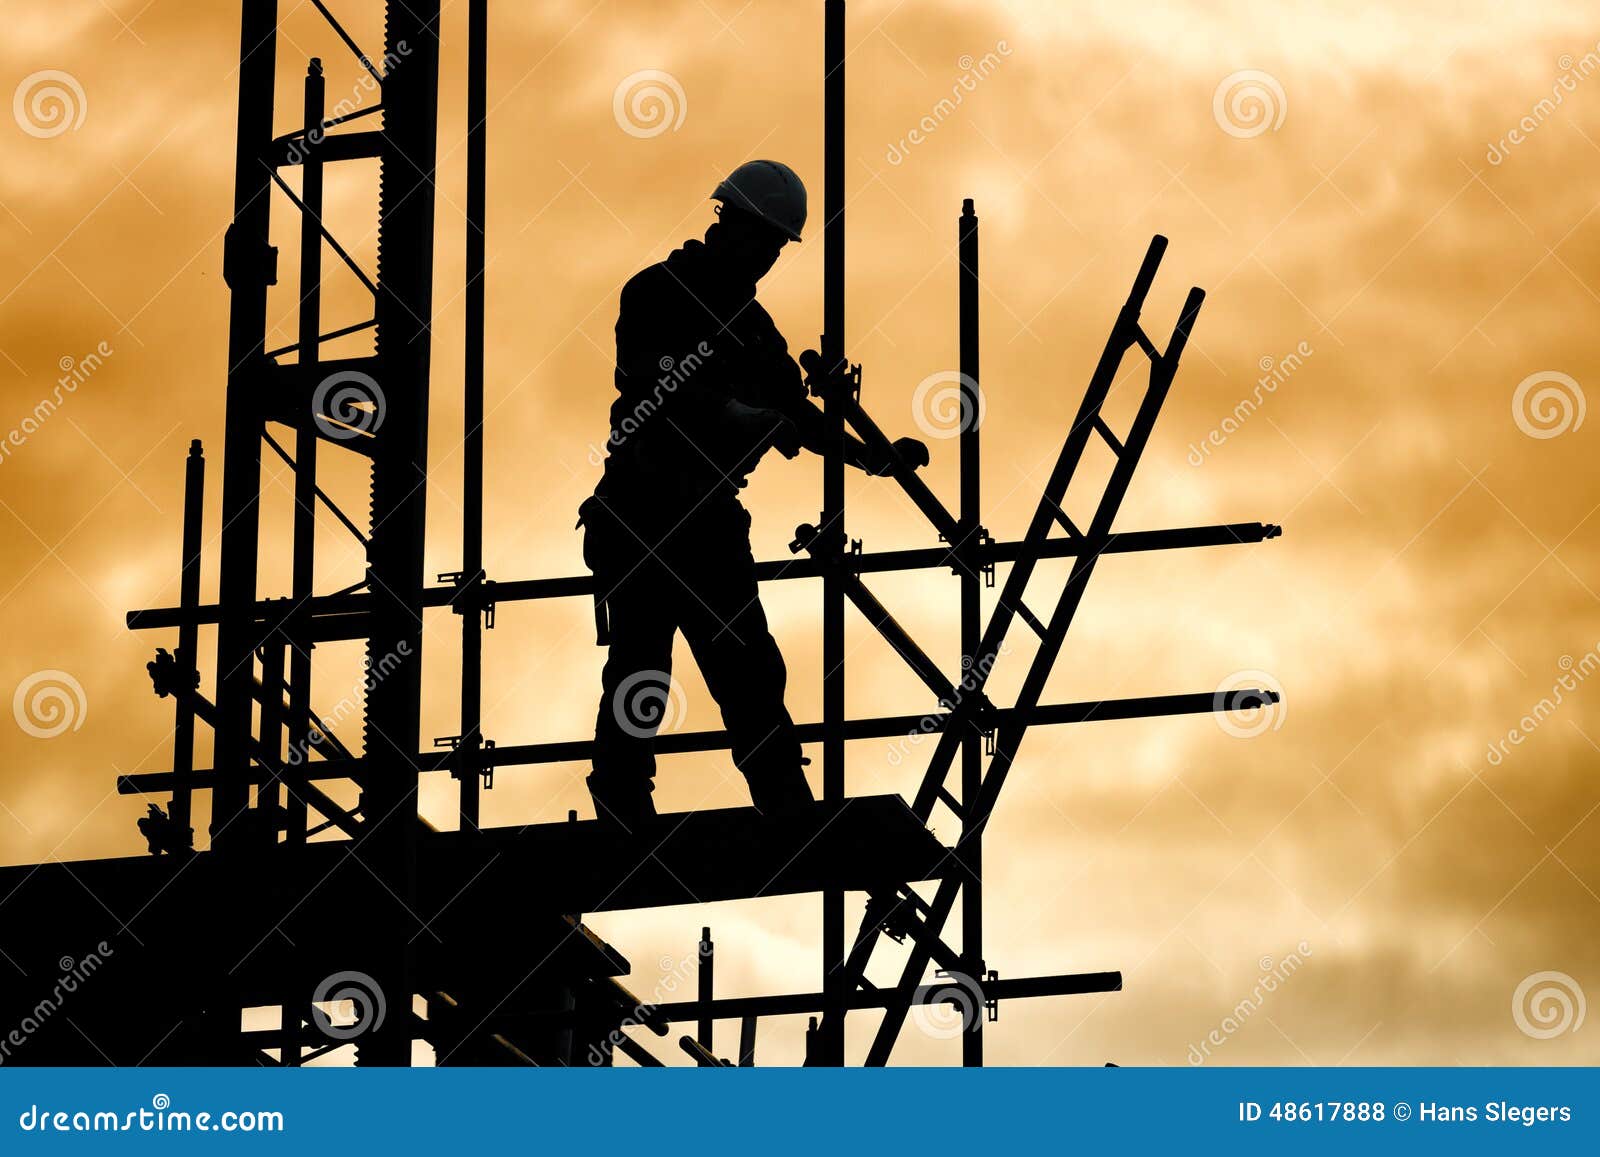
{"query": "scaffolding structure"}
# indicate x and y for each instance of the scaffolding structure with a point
(415, 923)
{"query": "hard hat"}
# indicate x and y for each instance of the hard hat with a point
(770, 190)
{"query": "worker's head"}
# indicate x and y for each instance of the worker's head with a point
(745, 243)
(763, 206)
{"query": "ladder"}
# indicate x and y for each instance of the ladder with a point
(903, 912)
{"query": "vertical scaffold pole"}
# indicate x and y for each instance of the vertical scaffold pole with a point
(194, 497)
(246, 268)
(472, 415)
(305, 449)
(971, 622)
(830, 1041)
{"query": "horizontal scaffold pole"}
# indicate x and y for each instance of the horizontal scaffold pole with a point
(881, 727)
(353, 607)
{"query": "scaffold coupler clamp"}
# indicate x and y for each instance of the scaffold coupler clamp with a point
(172, 674)
(845, 379)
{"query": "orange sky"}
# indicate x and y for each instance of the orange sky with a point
(1435, 582)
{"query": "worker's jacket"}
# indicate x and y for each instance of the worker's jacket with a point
(689, 341)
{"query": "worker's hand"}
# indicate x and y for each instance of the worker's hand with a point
(911, 451)
(760, 428)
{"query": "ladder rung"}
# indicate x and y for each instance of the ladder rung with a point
(950, 802)
(1148, 346)
(1105, 432)
(1031, 619)
(1064, 522)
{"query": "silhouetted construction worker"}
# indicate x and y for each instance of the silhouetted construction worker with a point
(706, 385)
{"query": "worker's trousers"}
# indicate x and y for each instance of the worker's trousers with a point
(662, 573)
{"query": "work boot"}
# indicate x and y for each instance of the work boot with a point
(622, 803)
(774, 793)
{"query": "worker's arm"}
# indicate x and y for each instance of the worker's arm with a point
(811, 424)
